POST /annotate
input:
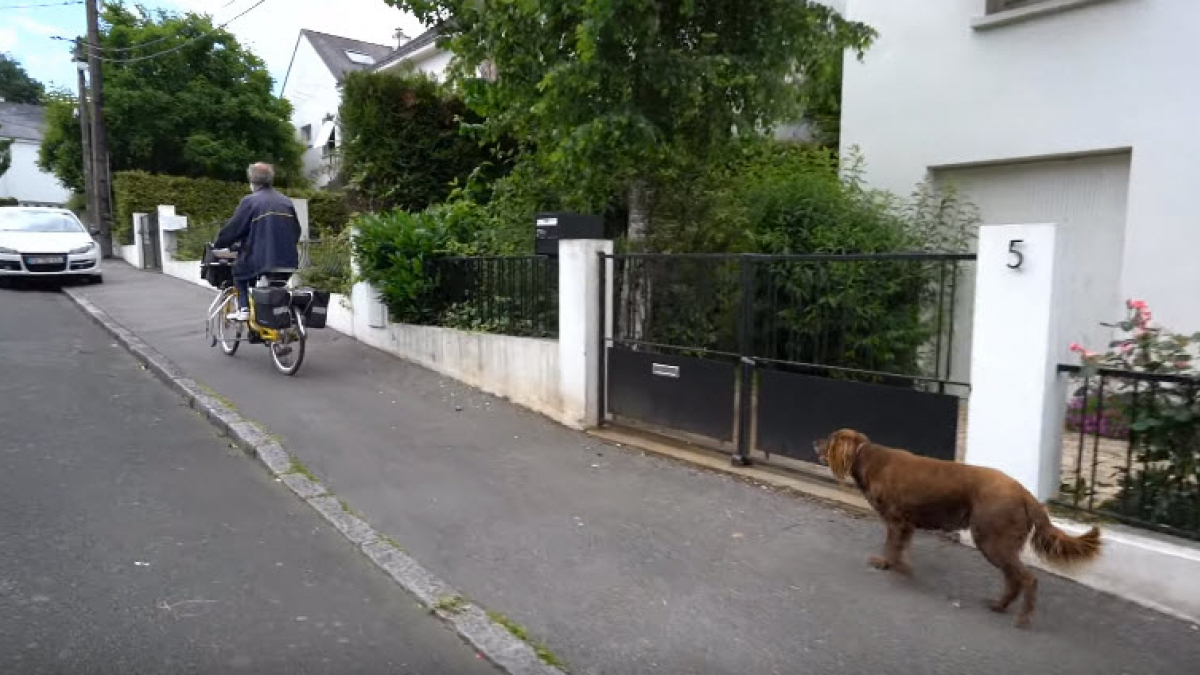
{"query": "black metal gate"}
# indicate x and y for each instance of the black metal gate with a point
(150, 237)
(769, 353)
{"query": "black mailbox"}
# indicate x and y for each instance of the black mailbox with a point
(550, 227)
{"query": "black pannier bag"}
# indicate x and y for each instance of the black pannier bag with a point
(216, 271)
(312, 305)
(271, 307)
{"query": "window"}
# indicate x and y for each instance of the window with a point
(306, 134)
(360, 58)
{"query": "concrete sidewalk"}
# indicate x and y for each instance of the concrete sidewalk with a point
(625, 563)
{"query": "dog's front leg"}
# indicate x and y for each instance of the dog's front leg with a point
(898, 537)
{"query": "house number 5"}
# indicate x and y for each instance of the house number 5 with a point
(1018, 257)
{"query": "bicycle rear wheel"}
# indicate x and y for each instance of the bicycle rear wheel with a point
(288, 351)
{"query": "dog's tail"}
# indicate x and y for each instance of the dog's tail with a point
(1055, 546)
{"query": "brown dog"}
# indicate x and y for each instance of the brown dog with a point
(911, 492)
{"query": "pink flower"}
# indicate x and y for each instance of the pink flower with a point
(1126, 347)
(1076, 347)
(1136, 304)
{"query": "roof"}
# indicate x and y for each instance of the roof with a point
(424, 39)
(22, 120)
(332, 50)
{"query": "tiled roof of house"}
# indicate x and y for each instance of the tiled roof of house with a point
(332, 50)
(22, 120)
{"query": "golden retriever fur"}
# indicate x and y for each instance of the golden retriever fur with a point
(911, 492)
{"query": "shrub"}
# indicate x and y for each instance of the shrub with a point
(778, 198)
(8, 201)
(393, 248)
(208, 204)
(404, 140)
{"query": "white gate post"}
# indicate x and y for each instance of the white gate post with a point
(579, 329)
(1015, 417)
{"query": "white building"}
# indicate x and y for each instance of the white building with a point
(319, 65)
(1079, 112)
(25, 125)
(420, 54)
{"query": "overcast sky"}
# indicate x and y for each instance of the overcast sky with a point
(269, 30)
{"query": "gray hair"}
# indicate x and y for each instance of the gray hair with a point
(261, 175)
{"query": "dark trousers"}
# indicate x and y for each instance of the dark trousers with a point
(243, 292)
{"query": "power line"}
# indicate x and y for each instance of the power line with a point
(47, 4)
(177, 47)
(142, 45)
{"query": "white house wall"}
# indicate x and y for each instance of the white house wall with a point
(313, 93)
(25, 181)
(934, 92)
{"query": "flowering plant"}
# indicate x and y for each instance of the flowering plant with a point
(1147, 392)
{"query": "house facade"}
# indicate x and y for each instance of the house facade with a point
(24, 124)
(420, 54)
(319, 65)
(1076, 112)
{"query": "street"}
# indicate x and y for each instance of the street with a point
(134, 539)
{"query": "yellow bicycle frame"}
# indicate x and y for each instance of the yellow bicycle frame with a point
(267, 334)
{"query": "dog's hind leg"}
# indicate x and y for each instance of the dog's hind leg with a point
(1005, 554)
(898, 537)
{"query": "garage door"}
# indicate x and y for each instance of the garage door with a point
(1087, 196)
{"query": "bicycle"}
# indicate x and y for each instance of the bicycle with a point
(279, 317)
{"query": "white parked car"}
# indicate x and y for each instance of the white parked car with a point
(37, 241)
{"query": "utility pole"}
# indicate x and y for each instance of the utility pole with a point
(85, 125)
(100, 176)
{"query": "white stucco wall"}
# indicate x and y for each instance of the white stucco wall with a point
(429, 60)
(313, 93)
(523, 370)
(25, 181)
(934, 91)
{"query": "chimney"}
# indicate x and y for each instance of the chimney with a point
(401, 37)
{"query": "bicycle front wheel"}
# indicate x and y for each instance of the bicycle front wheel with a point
(288, 351)
(229, 331)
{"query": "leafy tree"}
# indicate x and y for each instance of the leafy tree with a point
(191, 102)
(61, 152)
(16, 86)
(612, 92)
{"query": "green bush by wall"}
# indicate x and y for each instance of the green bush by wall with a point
(208, 204)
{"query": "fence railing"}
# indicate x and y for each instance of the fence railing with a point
(882, 317)
(1132, 449)
(510, 295)
(325, 264)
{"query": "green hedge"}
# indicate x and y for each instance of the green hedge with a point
(208, 204)
(8, 201)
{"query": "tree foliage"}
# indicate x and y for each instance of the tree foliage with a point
(16, 86)
(609, 89)
(404, 143)
(203, 110)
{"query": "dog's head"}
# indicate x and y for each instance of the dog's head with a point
(839, 449)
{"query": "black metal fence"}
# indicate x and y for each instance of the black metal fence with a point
(876, 317)
(881, 319)
(510, 295)
(1133, 449)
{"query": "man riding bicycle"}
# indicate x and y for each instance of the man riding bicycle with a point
(265, 224)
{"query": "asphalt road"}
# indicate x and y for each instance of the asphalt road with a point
(134, 539)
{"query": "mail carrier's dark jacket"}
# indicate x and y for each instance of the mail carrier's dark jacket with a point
(265, 222)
